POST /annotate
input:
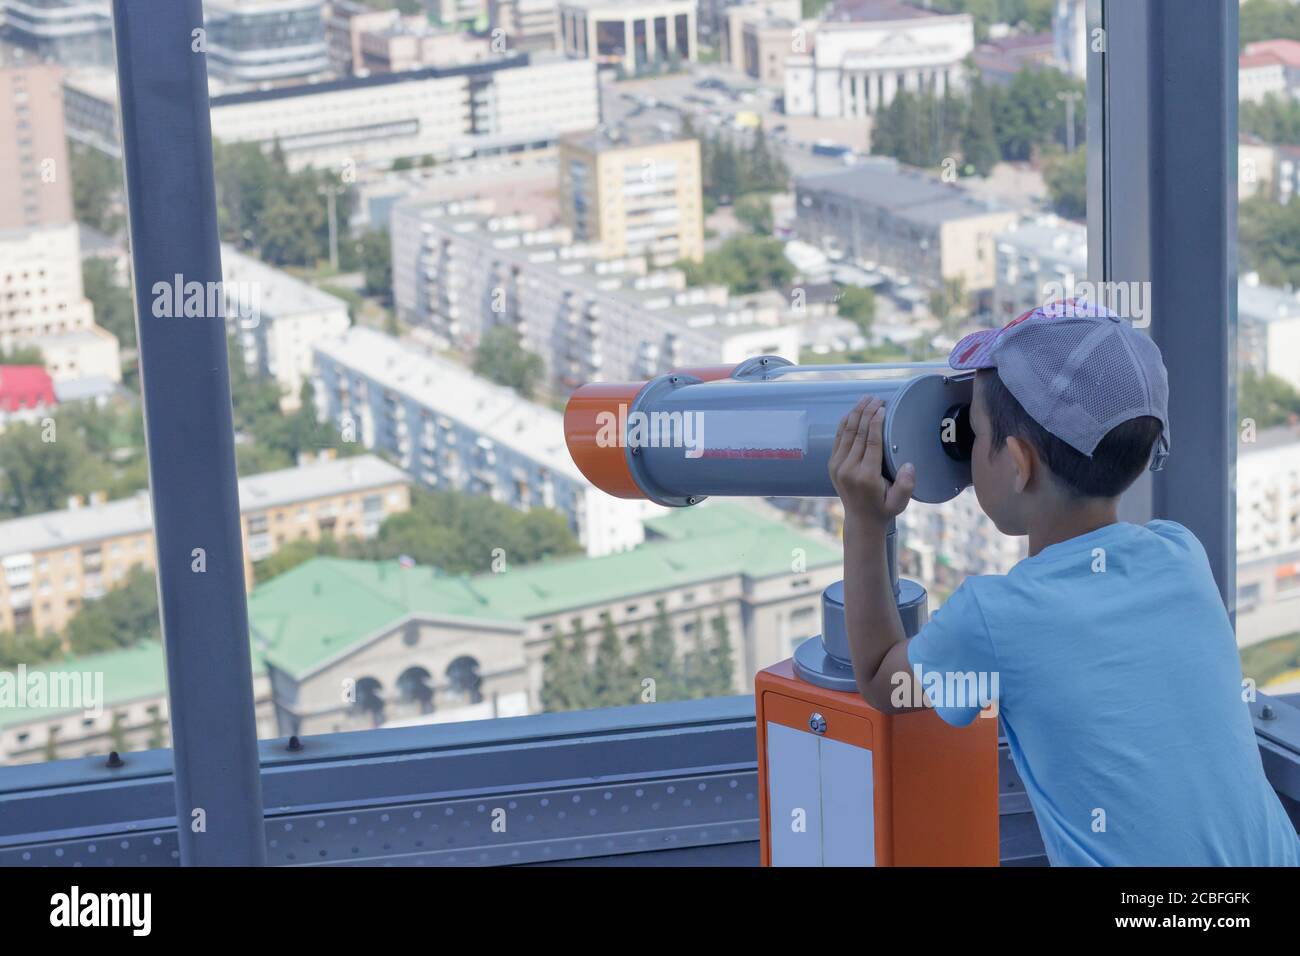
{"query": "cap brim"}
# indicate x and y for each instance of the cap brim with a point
(975, 350)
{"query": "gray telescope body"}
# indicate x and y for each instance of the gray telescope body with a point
(769, 430)
(766, 428)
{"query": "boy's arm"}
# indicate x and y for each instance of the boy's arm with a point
(875, 632)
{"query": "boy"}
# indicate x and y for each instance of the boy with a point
(1117, 676)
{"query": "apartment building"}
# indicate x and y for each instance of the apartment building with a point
(458, 270)
(511, 103)
(67, 32)
(757, 38)
(1037, 258)
(43, 304)
(265, 41)
(632, 35)
(526, 24)
(277, 319)
(36, 189)
(53, 563)
(1268, 534)
(865, 51)
(423, 647)
(636, 196)
(450, 429)
(890, 218)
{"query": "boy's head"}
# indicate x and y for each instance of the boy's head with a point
(1070, 401)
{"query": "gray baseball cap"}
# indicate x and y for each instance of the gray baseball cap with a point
(1078, 369)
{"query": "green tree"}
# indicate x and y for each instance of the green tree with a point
(980, 139)
(721, 658)
(117, 733)
(612, 681)
(1269, 239)
(23, 355)
(1266, 399)
(26, 647)
(112, 303)
(656, 658)
(293, 553)
(1276, 120)
(376, 255)
(755, 211)
(743, 264)
(858, 305)
(97, 188)
(502, 358)
(564, 671)
(1029, 116)
(157, 730)
(123, 617)
(1066, 177)
(458, 533)
(39, 475)
(1268, 20)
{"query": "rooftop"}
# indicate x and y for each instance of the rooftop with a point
(447, 388)
(1286, 52)
(909, 193)
(276, 293)
(326, 607)
(315, 612)
(133, 515)
(867, 11)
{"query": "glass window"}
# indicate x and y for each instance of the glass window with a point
(1268, 351)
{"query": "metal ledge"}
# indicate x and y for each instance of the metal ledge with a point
(672, 783)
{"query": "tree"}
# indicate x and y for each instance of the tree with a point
(501, 357)
(1268, 20)
(1067, 183)
(97, 187)
(612, 681)
(755, 211)
(23, 355)
(1276, 120)
(376, 254)
(117, 732)
(25, 647)
(458, 533)
(744, 264)
(1266, 399)
(564, 670)
(1269, 239)
(656, 658)
(123, 617)
(112, 303)
(721, 658)
(293, 553)
(980, 139)
(1028, 114)
(858, 305)
(39, 474)
(948, 302)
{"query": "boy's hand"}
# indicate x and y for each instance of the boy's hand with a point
(855, 468)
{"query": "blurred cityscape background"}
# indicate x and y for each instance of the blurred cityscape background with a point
(439, 217)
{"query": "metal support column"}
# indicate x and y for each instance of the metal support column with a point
(1170, 218)
(167, 154)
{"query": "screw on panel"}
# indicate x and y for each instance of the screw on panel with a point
(1267, 713)
(114, 760)
(294, 744)
(691, 500)
(817, 724)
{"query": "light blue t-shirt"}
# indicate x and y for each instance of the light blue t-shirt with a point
(1120, 690)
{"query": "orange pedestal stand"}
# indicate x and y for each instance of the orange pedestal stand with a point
(842, 784)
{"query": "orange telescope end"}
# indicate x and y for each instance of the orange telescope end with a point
(588, 430)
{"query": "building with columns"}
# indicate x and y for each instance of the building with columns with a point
(636, 35)
(865, 51)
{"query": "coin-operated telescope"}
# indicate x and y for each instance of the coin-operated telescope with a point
(842, 783)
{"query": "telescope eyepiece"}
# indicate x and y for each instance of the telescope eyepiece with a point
(955, 433)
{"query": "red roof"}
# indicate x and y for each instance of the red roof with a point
(25, 386)
(1287, 51)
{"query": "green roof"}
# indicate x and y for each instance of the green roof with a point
(318, 610)
(128, 674)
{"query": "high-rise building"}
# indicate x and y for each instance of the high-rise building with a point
(265, 41)
(526, 24)
(70, 32)
(638, 196)
(35, 184)
(1070, 36)
(452, 430)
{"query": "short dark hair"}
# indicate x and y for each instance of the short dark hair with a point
(1115, 463)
